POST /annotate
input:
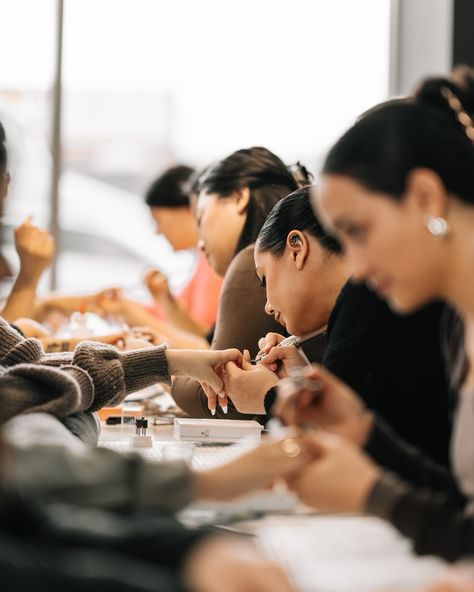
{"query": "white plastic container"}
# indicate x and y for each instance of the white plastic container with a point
(216, 430)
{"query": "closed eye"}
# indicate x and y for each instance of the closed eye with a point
(262, 280)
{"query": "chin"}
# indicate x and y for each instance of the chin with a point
(405, 306)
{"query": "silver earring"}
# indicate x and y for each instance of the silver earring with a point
(436, 226)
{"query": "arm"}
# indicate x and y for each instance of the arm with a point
(241, 321)
(102, 478)
(35, 248)
(67, 304)
(175, 313)
(136, 315)
(394, 454)
(94, 376)
(437, 523)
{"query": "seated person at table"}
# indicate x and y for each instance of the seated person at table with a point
(195, 307)
(104, 479)
(393, 362)
(235, 197)
(398, 189)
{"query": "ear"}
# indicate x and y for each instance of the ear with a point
(4, 183)
(426, 193)
(242, 199)
(298, 248)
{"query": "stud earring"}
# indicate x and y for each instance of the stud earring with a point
(436, 226)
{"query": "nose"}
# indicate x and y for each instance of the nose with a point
(360, 267)
(269, 309)
(201, 245)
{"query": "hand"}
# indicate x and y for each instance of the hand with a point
(266, 343)
(281, 359)
(144, 334)
(140, 338)
(223, 563)
(333, 406)
(256, 469)
(206, 366)
(31, 328)
(247, 385)
(35, 248)
(109, 301)
(340, 479)
(459, 578)
(157, 284)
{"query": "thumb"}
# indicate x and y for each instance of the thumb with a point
(231, 370)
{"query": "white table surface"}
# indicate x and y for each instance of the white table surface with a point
(322, 552)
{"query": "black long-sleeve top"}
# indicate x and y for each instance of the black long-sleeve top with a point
(422, 500)
(395, 364)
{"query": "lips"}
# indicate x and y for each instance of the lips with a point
(278, 318)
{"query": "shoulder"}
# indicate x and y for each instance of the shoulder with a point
(241, 287)
(241, 271)
(242, 262)
(357, 304)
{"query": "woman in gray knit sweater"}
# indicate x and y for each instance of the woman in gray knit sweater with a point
(58, 385)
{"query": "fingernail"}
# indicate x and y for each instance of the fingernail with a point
(213, 411)
(224, 409)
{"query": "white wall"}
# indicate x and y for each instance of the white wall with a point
(421, 41)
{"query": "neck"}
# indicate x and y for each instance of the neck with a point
(336, 274)
(458, 285)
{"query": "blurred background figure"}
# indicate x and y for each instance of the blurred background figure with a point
(194, 309)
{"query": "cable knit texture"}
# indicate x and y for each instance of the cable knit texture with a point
(93, 376)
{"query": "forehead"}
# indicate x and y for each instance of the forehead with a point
(203, 200)
(341, 197)
(265, 261)
(164, 212)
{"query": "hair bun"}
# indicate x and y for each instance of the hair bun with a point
(461, 84)
(301, 174)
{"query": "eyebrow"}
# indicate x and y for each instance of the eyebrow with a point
(340, 224)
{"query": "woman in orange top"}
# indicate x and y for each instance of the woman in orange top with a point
(194, 309)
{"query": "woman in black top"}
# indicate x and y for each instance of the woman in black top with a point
(398, 188)
(394, 363)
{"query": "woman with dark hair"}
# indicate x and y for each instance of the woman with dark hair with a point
(194, 309)
(235, 196)
(393, 363)
(398, 189)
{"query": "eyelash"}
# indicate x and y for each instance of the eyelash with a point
(263, 282)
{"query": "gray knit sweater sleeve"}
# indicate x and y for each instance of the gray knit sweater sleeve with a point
(98, 477)
(93, 376)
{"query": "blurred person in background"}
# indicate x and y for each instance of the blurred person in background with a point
(195, 307)
(235, 196)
